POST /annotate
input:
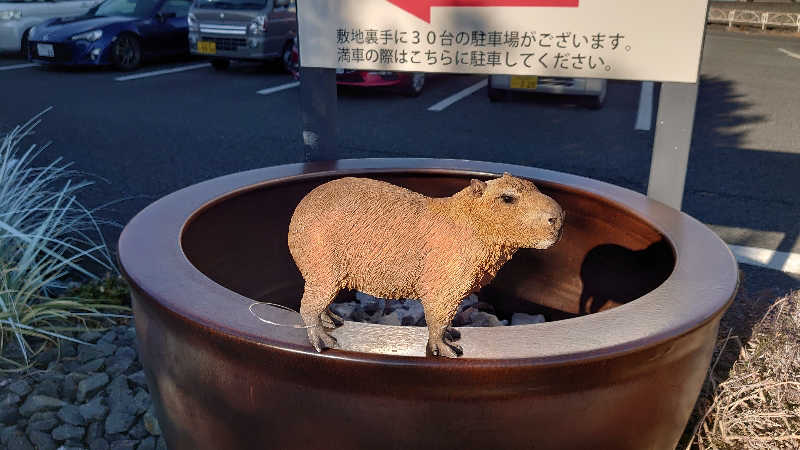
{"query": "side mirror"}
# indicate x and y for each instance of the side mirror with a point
(164, 16)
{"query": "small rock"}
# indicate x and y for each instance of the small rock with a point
(99, 444)
(118, 366)
(123, 445)
(526, 319)
(36, 403)
(55, 366)
(91, 385)
(161, 444)
(151, 422)
(484, 319)
(470, 300)
(50, 386)
(392, 319)
(100, 350)
(109, 337)
(94, 431)
(68, 349)
(94, 410)
(71, 414)
(129, 337)
(6, 433)
(20, 387)
(42, 440)
(66, 431)
(138, 431)
(125, 352)
(16, 440)
(138, 378)
(120, 397)
(119, 421)
(47, 357)
(69, 388)
(141, 401)
(345, 310)
(464, 317)
(90, 336)
(73, 446)
(43, 421)
(148, 443)
(8, 409)
(415, 312)
(91, 366)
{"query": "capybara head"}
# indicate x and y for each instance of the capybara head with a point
(511, 211)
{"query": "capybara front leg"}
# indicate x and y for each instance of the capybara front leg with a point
(314, 303)
(440, 333)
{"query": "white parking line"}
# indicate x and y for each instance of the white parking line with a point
(17, 66)
(162, 72)
(645, 115)
(783, 261)
(793, 55)
(459, 96)
(279, 88)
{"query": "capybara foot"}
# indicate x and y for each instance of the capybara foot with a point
(330, 320)
(443, 348)
(451, 335)
(320, 339)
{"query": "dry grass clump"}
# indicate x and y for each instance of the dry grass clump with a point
(758, 405)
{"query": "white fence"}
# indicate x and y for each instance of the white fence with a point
(754, 18)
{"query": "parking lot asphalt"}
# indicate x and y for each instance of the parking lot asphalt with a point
(172, 124)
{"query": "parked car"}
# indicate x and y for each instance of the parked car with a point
(17, 17)
(593, 90)
(256, 30)
(121, 33)
(409, 83)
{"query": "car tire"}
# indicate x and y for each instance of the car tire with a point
(415, 84)
(220, 63)
(496, 95)
(126, 53)
(24, 47)
(286, 59)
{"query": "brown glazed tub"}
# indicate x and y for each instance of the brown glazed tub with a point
(634, 293)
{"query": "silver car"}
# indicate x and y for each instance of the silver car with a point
(228, 30)
(17, 17)
(593, 90)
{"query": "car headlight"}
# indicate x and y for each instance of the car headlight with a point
(11, 14)
(90, 36)
(258, 25)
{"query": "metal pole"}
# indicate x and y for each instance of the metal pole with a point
(673, 137)
(318, 104)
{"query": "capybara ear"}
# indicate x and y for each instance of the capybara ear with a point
(478, 187)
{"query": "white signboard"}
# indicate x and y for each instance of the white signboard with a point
(658, 40)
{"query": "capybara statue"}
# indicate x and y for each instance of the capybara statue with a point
(392, 243)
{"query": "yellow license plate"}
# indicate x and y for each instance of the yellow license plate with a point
(207, 47)
(524, 82)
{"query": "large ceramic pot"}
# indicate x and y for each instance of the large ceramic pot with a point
(633, 294)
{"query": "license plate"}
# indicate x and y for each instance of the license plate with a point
(45, 50)
(524, 82)
(207, 47)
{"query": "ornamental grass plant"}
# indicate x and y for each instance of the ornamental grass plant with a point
(47, 239)
(758, 405)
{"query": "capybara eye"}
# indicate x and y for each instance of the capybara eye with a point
(508, 198)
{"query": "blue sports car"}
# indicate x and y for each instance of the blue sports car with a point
(116, 32)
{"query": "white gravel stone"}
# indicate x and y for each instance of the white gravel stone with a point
(526, 319)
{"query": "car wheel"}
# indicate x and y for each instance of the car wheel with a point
(24, 48)
(126, 53)
(220, 63)
(287, 64)
(415, 85)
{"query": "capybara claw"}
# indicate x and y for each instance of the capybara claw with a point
(451, 335)
(330, 320)
(320, 339)
(444, 349)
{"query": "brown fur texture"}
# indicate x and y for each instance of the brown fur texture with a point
(390, 242)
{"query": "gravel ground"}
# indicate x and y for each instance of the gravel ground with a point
(92, 397)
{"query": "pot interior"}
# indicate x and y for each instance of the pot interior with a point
(608, 256)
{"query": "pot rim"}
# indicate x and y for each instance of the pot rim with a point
(702, 284)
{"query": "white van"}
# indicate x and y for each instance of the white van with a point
(17, 17)
(593, 90)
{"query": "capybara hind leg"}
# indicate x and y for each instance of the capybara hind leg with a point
(330, 320)
(315, 302)
(440, 339)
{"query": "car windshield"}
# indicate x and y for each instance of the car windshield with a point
(130, 8)
(231, 4)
